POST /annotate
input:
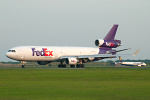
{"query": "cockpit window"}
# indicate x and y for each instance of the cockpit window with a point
(11, 51)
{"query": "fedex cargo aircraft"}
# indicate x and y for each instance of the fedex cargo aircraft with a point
(73, 56)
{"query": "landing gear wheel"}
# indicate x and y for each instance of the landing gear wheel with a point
(23, 66)
(59, 66)
(78, 65)
(82, 65)
(72, 66)
(62, 66)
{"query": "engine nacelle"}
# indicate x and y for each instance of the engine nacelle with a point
(71, 61)
(106, 43)
(43, 62)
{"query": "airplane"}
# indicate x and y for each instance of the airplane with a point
(73, 56)
(130, 63)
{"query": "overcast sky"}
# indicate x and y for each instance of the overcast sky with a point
(74, 23)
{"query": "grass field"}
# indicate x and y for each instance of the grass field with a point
(75, 84)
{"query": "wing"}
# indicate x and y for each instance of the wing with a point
(88, 58)
(96, 57)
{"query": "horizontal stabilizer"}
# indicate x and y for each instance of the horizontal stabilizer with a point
(118, 51)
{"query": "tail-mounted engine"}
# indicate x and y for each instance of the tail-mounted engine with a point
(71, 61)
(106, 43)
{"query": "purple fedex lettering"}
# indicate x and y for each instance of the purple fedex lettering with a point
(38, 53)
(43, 52)
(33, 51)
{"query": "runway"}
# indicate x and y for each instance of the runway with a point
(43, 67)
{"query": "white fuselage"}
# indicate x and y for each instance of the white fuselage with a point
(47, 53)
(133, 63)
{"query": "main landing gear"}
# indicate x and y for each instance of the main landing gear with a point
(80, 65)
(61, 65)
(72, 66)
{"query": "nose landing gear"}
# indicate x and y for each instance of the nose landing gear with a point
(23, 65)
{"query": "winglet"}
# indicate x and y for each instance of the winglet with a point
(137, 51)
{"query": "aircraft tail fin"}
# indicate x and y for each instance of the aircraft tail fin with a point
(109, 42)
(120, 59)
(111, 34)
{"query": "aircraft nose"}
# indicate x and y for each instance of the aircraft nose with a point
(11, 53)
(8, 54)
